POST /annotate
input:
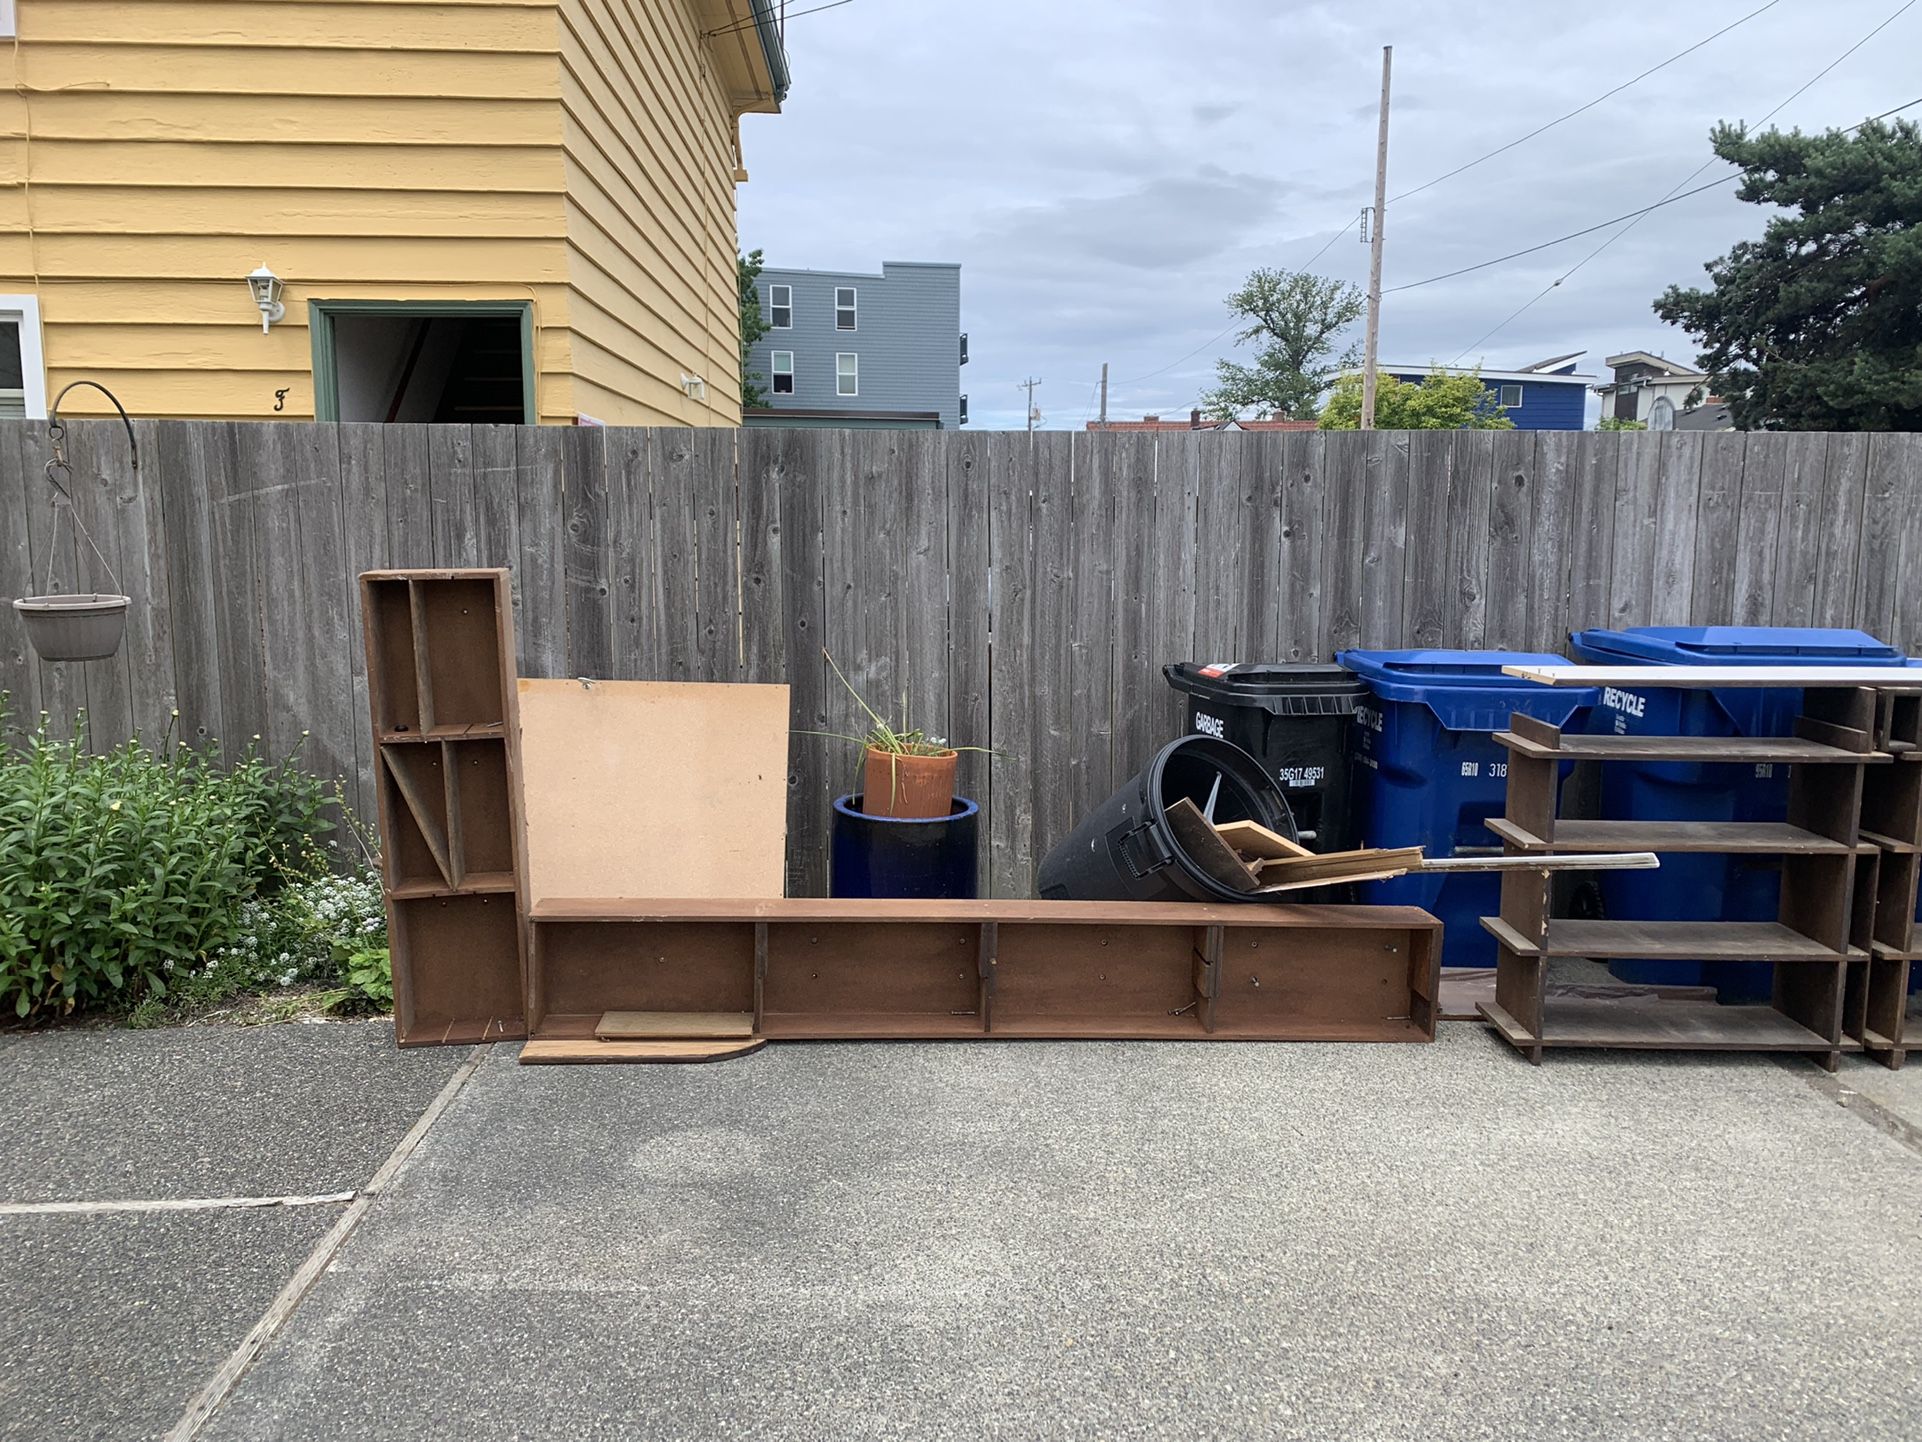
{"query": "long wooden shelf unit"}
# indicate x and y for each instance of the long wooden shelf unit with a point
(1820, 944)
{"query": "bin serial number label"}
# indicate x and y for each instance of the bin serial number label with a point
(1495, 768)
(1299, 776)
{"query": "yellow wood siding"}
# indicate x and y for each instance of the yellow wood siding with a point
(649, 141)
(577, 154)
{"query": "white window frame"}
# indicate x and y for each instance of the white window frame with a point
(8, 27)
(25, 310)
(841, 375)
(774, 370)
(1501, 396)
(773, 304)
(853, 307)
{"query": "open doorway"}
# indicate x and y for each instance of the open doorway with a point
(436, 363)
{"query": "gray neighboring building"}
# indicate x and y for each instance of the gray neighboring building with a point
(864, 351)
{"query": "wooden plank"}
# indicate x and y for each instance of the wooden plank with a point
(968, 487)
(1637, 517)
(1232, 914)
(1798, 546)
(924, 570)
(1199, 841)
(452, 508)
(1760, 749)
(363, 513)
(584, 555)
(1299, 631)
(1892, 492)
(674, 1025)
(53, 556)
(1766, 838)
(800, 472)
(1251, 838)
(1905, 627)
(1717, 512)
(1264, 479)
(1719, 677)
(540, 486)
(1671, 591)
(19, 671)
(1384, 537)
(1510, 538)
(1427, 584)
(138, 521)
(717, 575)
(1052, 746)
(323, 579)
(547, 1051)
(1839, 529)
(1657, 940)
(241, 583)
(674, 545)
(1090, 679)
(1010, 507)
(1546, 564)
(1344, 499)
(1137, 699)
(1591, 531)
(102, 475)
(1174, 563)
(1471, 486)
(636, 606)
(1764, 465)
(409, 492)
(1222, 560)
(1659, 1024)
(695, 775)
(761, 472)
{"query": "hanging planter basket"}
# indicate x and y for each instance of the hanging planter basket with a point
(75, 627)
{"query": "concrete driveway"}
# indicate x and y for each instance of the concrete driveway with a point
(953, 1241)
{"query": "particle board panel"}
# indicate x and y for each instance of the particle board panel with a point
(477, 777)
(674, 1025)
(590, 1051)
(650, 966)
(459, 630)
(387, 619)
(640, 789)
(1047, 974)
(913, 970)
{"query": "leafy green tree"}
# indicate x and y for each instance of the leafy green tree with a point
(1818, 325)
(1298, 318)
(1442, 401)
(753, 325)
(1616, 423)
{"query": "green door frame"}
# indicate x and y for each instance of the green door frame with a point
(320, 322)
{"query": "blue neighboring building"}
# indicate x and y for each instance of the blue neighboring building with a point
(861, 351)
(1547, 396)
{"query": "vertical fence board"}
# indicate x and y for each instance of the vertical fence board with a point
(21, 459)
(363, 505)
(923, 612)
(717, 578)
(968, 485)
(1343, 496)
(584, 554)
(138, 520)
(1011, 551)
(1470, 492)
(1223, 532)
(406, 456)
(1137, 658)
(540, 630)
(634, 598)
(805, 458)
(1173, 559)
(1591, 529)
(1547, 568)
(1511, 476)
(101, 461)
(1672, 571)
(1384, 537)
(1717, 510)
(1839, 530)
(1797, 549)
(1905, 626)
(1428, 580)
(1298, 622)
(761, 469)
(1756, 529)
(1090, 678)
(1264, 480)
(1052, 742)
(1638, 496)
(1890, 490)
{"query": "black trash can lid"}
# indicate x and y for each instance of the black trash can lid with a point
(1256, 683)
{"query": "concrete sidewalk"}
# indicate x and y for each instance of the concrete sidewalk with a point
(964, 1240)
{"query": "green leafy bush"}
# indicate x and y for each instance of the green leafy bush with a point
(122, 871)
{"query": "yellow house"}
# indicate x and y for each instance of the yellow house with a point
(476, 210)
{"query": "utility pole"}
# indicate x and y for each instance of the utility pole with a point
(1370, 346)
(1029, 385)
(1104, 395)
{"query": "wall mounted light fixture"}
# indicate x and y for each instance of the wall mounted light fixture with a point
(266, 289)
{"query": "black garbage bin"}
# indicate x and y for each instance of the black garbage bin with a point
(1295, 721)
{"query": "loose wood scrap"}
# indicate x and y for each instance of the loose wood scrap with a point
(1205, 847)
(1372, 864)
(1256, 842)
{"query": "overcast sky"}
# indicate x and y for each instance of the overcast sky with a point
(1106, 174)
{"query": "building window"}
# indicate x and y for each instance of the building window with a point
(780, 307)
(781, 364)
(23, 368)
(964, 410)
(964, 347)
(847, 374)
(844, 308)
(6, 20)
(1511, 397)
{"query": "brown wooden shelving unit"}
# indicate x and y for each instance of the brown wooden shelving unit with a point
(1818, 944)
(440, 684)
(1876, 1012)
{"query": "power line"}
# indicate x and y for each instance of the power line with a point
(754, 20)
(1637, 220)
(1580, 109)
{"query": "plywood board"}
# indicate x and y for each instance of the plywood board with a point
(654, 789)
(1251, 838)
(674, 1025)
(570, 1052)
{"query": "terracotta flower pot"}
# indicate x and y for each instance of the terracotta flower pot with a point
(908, 787)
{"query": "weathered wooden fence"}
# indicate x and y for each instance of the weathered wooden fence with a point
(1021, 592)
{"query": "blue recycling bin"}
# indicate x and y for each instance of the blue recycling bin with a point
(1429, 772)
(1705, 887)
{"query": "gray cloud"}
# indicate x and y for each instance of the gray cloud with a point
(1105, 184)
